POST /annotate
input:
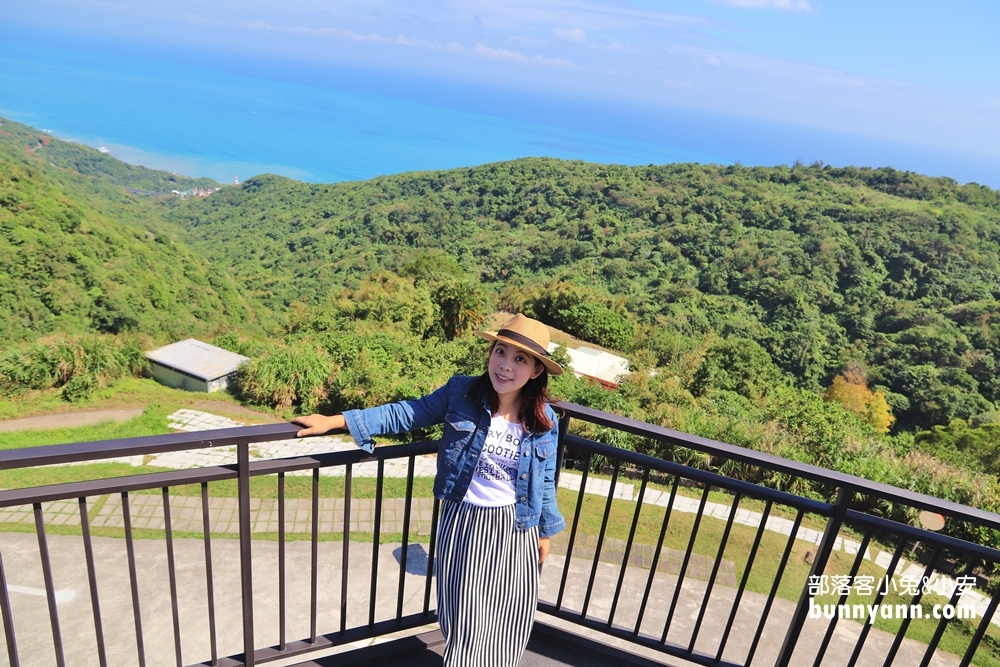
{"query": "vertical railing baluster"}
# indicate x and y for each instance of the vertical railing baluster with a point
(209, 577)
(774, 587)
(345, 552)
(95, 603)
(376, 540)
(561, 451)
(830, 535)
(866, 627)
(939, 632)
(246, 555)
(743, 580)
(600, 540)
(656, 555)
(406, 536)
(984, 625)
(901, 633)
(858, 559)
(715, 571)
(50, 589)
(572, 532)
(435, 507)
(172, 575)
(684, 563)
(281, 561)
(314, 557)
(8, 619)
(628, 546)
(133, 579)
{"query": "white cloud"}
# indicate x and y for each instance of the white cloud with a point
(577, 35)
(781, 5)
(714, 61)
(404, 40)
(516, 56)
(198, 18)
(320, 32)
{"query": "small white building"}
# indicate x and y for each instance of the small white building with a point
(193, 365)
(598, 365)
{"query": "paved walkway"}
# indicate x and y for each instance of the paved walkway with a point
(195, 420)
(69, 419)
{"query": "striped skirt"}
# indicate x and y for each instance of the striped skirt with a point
(487, 585)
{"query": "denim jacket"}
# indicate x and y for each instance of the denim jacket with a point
(466, 423)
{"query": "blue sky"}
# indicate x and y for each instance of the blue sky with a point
(917, 78)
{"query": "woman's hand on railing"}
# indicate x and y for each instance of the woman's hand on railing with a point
(319, 424)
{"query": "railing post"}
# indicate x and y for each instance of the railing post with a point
(561, 448)
(246, 563)
(844, 496)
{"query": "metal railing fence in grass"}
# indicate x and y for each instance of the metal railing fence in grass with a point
(729, 624)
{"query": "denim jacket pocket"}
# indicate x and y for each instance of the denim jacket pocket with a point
(545, 448)
(460, 424)
(461, 430)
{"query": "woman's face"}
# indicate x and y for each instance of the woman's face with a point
(510, 368)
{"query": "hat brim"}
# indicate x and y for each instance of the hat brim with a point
(552, 367)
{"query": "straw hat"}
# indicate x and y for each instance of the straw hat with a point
(525, 334)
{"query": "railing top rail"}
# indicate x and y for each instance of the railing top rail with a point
(148, 444)
(228, 437)
(156, 480)
(788, 466)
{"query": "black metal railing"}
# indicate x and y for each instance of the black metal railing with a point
(719, 579)
(789, 644)
(242, 471)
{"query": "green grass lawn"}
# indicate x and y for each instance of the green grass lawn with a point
(128, 393)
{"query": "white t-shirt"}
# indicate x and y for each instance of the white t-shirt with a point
(494, 482)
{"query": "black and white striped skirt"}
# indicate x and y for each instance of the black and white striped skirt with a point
(487, 585)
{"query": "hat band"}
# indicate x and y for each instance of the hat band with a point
(524, 340)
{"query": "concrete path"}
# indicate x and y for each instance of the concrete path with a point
(34, 636)
(69, 419)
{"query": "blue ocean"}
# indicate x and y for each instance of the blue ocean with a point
(202, 116)
(204, 121)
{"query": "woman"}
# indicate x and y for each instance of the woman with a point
(496, 481)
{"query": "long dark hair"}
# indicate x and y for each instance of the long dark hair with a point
(532, 413)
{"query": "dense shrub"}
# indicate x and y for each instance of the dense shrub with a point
(284, 376)
(76, 364)
(598, 324)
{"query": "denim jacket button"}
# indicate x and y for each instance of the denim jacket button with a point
(524, 476)
(523, 499)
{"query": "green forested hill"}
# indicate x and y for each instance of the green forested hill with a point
(894, 272)
(87, 161)
(77, 255)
